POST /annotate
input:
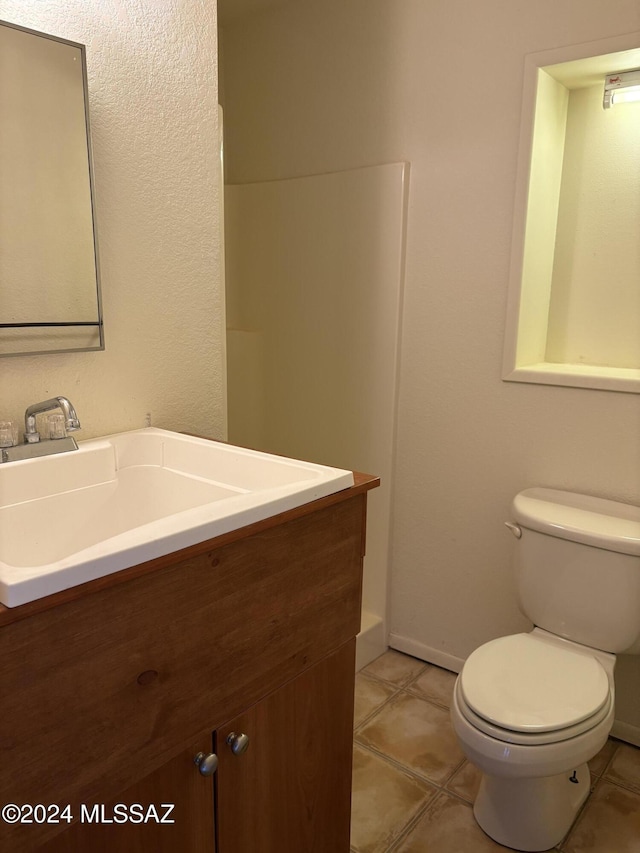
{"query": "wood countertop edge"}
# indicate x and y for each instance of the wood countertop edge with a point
(362, 484)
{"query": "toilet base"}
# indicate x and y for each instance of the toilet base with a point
(531, 814)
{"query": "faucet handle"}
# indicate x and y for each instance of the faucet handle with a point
(56, 426)
(8, 433)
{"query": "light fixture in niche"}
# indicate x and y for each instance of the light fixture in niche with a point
(621, 88)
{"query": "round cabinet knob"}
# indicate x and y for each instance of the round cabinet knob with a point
(238, 743)
(207, 763)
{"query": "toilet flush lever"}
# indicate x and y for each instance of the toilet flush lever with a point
(514, 528)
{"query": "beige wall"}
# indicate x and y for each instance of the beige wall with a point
(152, 68)
(594, 315)
(317, 87)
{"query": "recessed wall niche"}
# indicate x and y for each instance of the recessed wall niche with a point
(573, 314)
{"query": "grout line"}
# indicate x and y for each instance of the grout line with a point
(428, 798)
(394, 684)
(375, 711)
(409, 686)
(627, 786)
(392, 761)
(607, 766)
(418, 675)
(431, 700)
(439, 786)
(411, 823)
(393, 696)
(427, 807)
(574, 825)
(411, 693)
(457, 797)
(622, 785)
(459, 766)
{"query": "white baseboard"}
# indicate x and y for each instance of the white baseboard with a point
(621, 730)
(626, 731)
(371, 642)
(425, 653)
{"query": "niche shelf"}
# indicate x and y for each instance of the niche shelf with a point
(573, 315)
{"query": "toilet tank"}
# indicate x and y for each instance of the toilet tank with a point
(577, 567)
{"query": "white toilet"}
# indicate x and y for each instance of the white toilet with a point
(531, 709)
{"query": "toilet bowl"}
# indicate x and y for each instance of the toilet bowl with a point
(530, 710)
(533, 756)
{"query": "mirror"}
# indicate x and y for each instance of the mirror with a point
(49, 285)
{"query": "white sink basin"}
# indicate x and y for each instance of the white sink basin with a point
(127, 498)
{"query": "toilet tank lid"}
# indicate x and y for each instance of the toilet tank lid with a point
(580, 518)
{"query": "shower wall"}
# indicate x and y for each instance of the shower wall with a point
(314, 285)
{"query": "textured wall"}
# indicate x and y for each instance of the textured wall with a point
(152, 67)
(384, 78)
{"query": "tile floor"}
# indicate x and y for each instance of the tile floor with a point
(413, 788)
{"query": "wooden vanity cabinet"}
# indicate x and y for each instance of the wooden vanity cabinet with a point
(291, 790)
(288, 792)
(175, 783)
(110, 691)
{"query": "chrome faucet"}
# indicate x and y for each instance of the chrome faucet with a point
(33, 447)
(71, 421)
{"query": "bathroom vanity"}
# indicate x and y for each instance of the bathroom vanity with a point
(119, 694)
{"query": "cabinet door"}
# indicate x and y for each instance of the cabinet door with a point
(179, 783)
(290, 791)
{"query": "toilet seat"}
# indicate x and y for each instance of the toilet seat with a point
(529, 739)
(528, 689)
